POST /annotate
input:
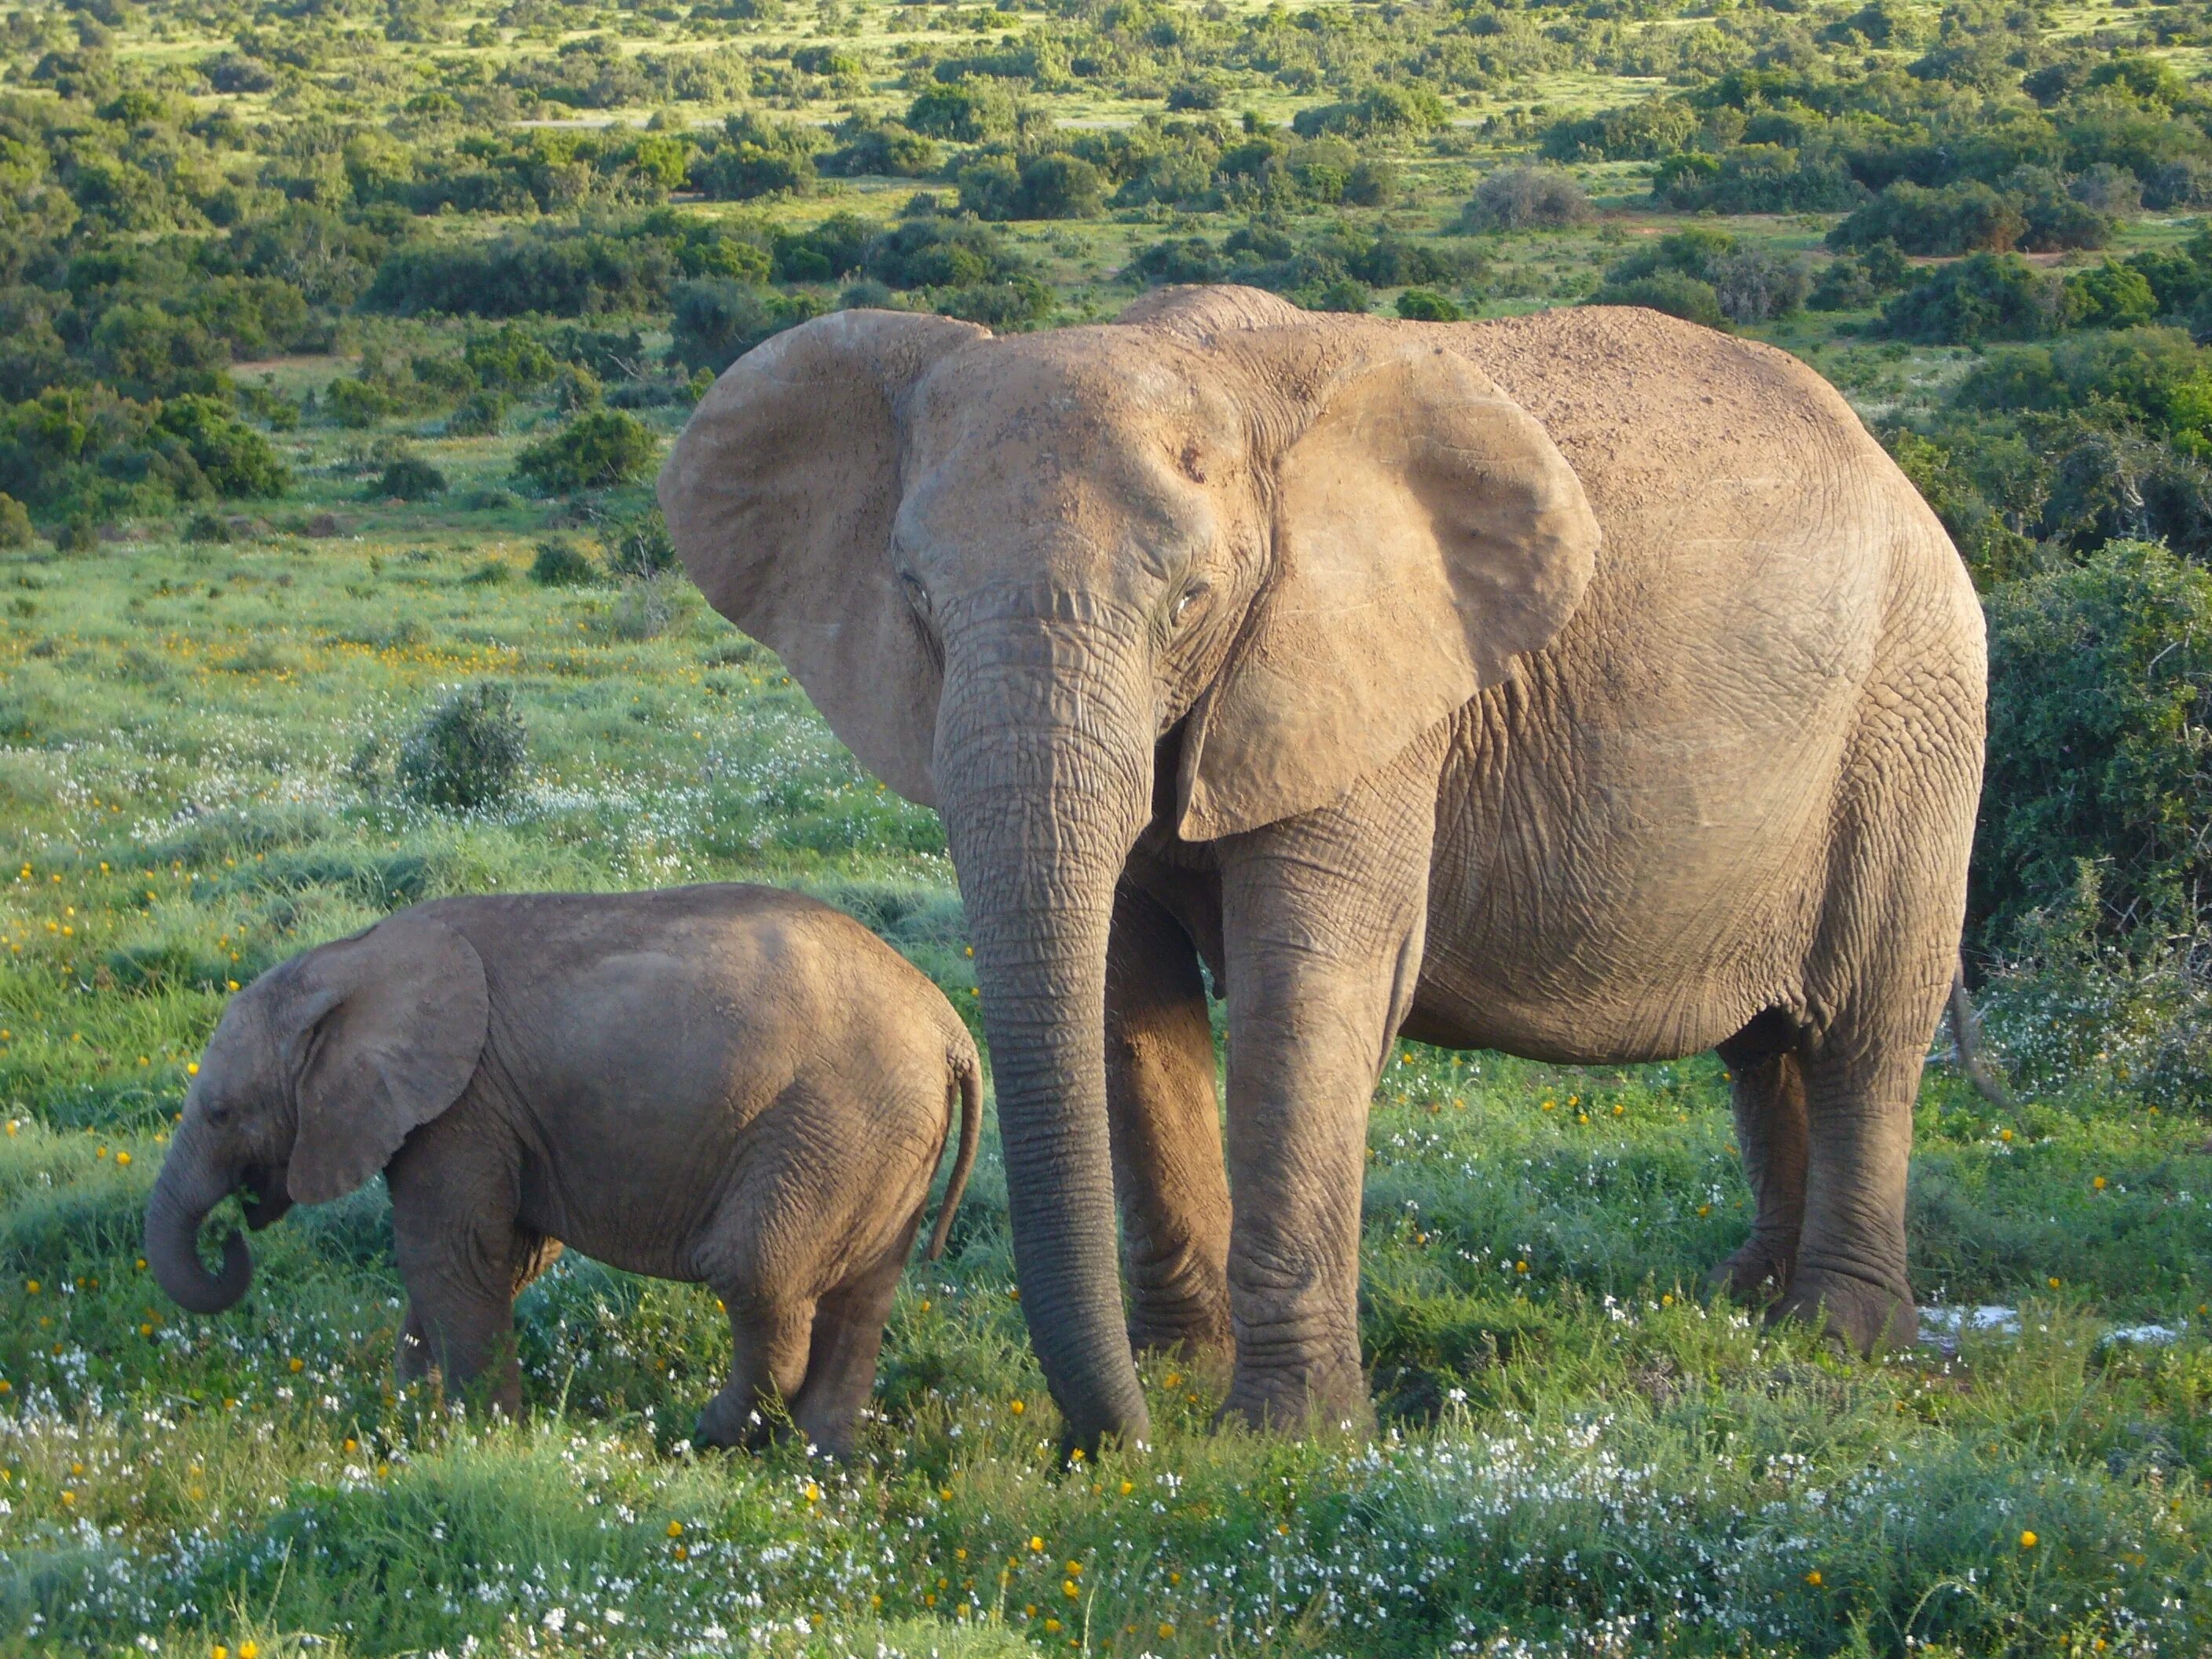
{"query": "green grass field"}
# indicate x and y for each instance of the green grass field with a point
(1576, 1456)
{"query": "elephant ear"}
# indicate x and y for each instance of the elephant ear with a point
(387, 1029)
(1426, 532)
(780, 498)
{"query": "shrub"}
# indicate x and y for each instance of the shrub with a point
(1957, 219)
(511, 358)
(1756, 284)
(1179, 259)
(410, 479)
(1344, 294)
(758, 158)
(1426, 305)
(210, 529)
(2100, 733)
(1527, 198)
(965, 112)
(480, 415)
(235, 459)
(2110, 296)
(1703, 275)
(1990, 296)
(1756, 179)
(642, 611)
(1670, 291)
(79, 534)
(15, 531)
(600, 449)
(1855, 280)
(718, 320)
(639, 547)
(468, 751)
(561, 563)
(575, 388)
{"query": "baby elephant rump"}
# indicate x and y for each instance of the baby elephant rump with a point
(727, 1085)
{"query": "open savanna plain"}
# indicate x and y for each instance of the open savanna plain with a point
(337, 342)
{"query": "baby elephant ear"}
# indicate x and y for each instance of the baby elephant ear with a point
(1426, 533)
(387, 1030)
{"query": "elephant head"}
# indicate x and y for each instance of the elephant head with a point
(1254, 552)
(316, 1073)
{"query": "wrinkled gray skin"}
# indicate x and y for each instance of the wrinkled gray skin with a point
(720, 1085)
(1587, 686)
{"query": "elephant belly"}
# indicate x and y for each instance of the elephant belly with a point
(1632, 883)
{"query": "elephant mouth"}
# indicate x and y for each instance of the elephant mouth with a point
(266, 1192)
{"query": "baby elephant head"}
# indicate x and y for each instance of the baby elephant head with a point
(317, 1072)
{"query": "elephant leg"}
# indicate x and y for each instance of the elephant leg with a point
(841, 1360)
(461, 1255)
(769, 1333)
(1323, 921)
(1767, 1085)
(411, 1362)
(1850, 1272)
(1166, 1132)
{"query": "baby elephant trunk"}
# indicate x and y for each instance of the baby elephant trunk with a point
(190, 1185)
(968, 1076)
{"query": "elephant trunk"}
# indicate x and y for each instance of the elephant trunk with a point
(190, 1184)
(1044, 786)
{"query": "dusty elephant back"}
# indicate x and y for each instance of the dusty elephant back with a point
(730, 990)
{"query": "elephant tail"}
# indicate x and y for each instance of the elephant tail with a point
(1966, 1038)
(968, 1073)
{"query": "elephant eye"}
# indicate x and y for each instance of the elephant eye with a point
(1192, 594)
(917, 594)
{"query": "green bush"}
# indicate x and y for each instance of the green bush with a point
(1426, 305)
(639, 547)
(2110, 295)
(410, 479)
(560, 562)
(1960, 218)
(1527, 198)
(468, 751)
(2099, 745)
(1671, 291)
(599, 449)
(1989, 296)
(15, 531)
(209, 529)
(479, 415)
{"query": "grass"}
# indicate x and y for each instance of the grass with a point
(1576, 1454)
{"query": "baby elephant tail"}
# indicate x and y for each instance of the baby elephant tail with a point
(968, 1071)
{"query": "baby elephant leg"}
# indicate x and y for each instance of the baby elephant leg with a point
(768, 1336)
(849, 1334)
(462, 1262)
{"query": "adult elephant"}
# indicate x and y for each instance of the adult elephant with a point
(1587, 686)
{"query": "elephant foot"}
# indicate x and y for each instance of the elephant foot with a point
(1322, 1395)
(733, 1421)
(1758, 1273)
(1864, 1316)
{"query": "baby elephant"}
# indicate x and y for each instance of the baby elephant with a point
(721, 1085)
